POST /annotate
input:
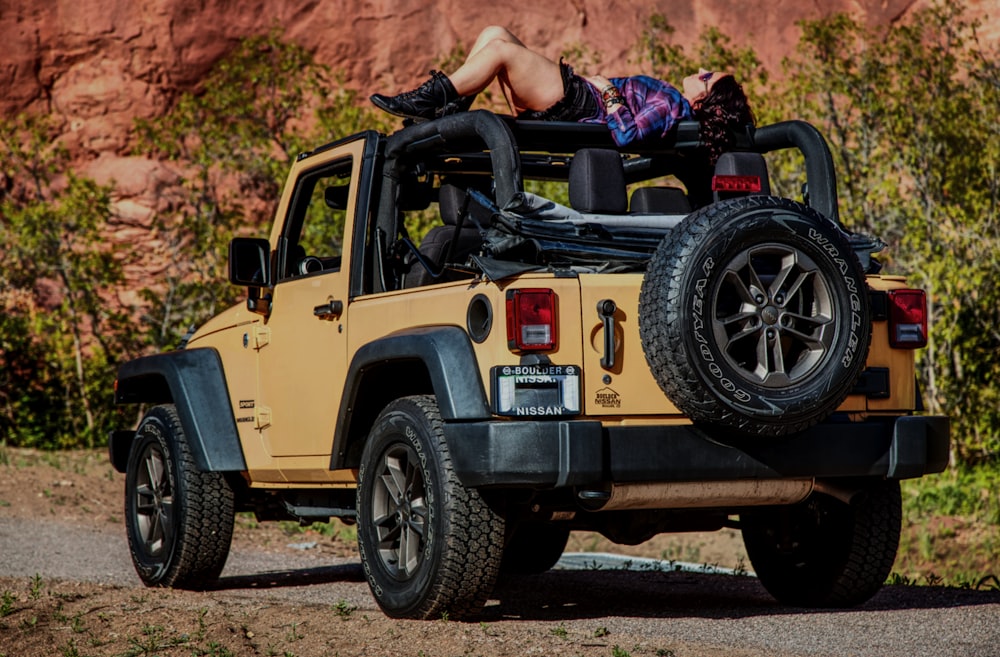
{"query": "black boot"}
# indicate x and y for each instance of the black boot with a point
(461, 104)
(434, 98)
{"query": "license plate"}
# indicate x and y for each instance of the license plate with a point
(536, 390)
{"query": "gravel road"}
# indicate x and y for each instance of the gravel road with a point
(712, 614)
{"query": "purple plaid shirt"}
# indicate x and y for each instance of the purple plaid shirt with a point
(651, 109)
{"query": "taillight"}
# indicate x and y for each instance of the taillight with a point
(745, 184)
(907, 319)
(531, 319)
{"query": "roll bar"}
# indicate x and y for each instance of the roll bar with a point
(821, 177)
(457, 129)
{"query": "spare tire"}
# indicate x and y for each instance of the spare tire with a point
(754, 315)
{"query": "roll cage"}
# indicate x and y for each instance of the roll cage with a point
(508, 151)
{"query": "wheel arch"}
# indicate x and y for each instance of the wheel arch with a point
(193, 380)
(435, 360)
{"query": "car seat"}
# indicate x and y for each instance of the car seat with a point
(597, 182)
(451, 243)
(659, 200)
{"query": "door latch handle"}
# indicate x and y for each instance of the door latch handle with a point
(606, 309)
(329, 310)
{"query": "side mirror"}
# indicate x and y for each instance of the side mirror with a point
(250, 262)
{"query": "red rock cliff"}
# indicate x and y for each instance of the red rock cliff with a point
(98, 64)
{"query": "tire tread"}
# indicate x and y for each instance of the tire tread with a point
(204, 509)
(663, 326)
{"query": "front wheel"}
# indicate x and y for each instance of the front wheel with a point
(430, 547)
(179, 520)
(825, 552)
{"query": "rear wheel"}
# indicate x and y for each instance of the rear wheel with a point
(429, 546)
(825, 552)
(179, 520)
(534, 548)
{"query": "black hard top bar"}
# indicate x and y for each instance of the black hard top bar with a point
(505, 138)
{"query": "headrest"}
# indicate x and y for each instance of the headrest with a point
(450, 201)
(414, 194)
(336, 196)
(597, 182)
(659, 200)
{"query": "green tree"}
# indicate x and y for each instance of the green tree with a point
(912, 114)
(61, 332)
(59, 328)
(656, 54)
(232, 141)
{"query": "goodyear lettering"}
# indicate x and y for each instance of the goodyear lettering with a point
(853, 341)
(704, 348)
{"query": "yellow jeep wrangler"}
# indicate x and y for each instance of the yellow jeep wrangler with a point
(675, 348)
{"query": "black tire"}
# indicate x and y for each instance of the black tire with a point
(754, 315)
(533, 548)
(179, 520)
(825, 552)
(430, 547)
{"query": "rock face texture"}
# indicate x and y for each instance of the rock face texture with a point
(98, 64)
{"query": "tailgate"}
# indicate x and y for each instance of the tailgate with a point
(626, 385)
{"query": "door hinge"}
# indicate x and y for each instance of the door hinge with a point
(261, 336)
(262, 417)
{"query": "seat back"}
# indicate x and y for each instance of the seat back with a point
(448, 243)
(451, 198)
(659, 200)
(597, 182)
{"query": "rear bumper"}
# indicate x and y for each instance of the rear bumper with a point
(558, 454)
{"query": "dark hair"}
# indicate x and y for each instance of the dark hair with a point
(723, 109)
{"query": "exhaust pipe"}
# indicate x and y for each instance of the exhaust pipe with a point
(697, 494)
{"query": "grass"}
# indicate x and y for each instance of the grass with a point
(77, 626)
(966, 492)
(951, 530)
(153, 641)
(333, 529)
(7, 600)
(36, 587)
(344, 609)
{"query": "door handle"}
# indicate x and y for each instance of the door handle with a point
(330, 310)
(606, 309)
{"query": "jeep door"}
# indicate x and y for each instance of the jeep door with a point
(303, 360)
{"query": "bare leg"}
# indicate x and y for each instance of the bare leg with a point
(493, 33)
(534, 80)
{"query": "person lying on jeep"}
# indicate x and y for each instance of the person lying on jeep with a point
(634, 108)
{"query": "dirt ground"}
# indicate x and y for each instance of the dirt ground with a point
(40, 616)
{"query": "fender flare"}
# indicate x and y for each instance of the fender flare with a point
(193, 380)
(447, 354)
